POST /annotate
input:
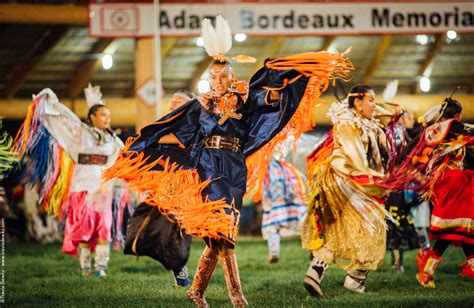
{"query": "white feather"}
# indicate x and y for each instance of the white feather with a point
(224, 35)
(390, 91)
(208, 37)
(433, 113)
(93, 95)
(218, 40)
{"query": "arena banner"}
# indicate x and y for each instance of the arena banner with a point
(266, 19)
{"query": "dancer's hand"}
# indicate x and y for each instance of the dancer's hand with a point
(274, 96)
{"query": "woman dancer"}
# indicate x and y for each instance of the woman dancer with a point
(284, 205)
(439, 158)
(66, 158)
(345, 223)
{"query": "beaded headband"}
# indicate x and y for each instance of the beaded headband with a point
(358, 94)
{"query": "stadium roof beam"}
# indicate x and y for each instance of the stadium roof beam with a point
(86, 69)
(382, 49)
(64, 14)
(426, 66)
(328, 42)
(24, 69)
(167, 45)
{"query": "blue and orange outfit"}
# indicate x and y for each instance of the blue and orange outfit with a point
(225, 145)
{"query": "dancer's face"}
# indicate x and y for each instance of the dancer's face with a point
(101, 118)
(366, 105)
(177, 101)
(220, 78)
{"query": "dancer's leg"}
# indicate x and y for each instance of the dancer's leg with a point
(85, 259)
(102, 255)
(205, 267)
(274, 248)
(231, 274)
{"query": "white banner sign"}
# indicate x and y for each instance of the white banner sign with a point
(136, 20)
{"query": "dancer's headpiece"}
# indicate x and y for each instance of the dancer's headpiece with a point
(218, 41)
(93, 96)
(437, 111)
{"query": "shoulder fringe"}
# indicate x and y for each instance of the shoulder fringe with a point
(321, 68)
(48, 164)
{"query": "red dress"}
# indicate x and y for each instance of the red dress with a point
(453, 213)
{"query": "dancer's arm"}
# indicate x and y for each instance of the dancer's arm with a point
(386, 112)
(352, 160)
(62, 123)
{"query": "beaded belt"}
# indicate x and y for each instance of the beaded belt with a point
(92, 159)
(221, 142)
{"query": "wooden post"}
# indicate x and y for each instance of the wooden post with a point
(144, 71)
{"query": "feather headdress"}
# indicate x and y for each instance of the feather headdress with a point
(218, 40)
(93, 96)
(435, 112)
(432, 114)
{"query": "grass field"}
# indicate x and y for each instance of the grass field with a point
(37, 275)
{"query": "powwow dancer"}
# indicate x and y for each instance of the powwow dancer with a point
(346, 220)
(66, 158)
(151, 234)
(7, 159)
(401, 236)
(439, 159)
(284, 204)
(419, 208)
(180, 98)
(226, 135)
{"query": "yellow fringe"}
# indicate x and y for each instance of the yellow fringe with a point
(60, 191)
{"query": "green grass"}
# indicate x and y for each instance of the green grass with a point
(37, 275)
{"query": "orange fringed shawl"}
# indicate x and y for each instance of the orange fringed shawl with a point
(177, 192)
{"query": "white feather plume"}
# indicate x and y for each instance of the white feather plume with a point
(93, 95)
(432, 114)
(218, 40)
(390, 91)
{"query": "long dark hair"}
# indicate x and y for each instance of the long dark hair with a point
(92, 111)
(362, 89)
(451, 108)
